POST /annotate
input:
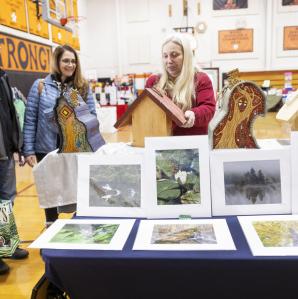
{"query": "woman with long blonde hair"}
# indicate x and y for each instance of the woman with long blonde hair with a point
(188, 87)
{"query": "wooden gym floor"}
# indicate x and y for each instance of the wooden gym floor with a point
(24, 274)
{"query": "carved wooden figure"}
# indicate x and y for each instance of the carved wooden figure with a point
(242, 102)
(78, 128)
(151, 115)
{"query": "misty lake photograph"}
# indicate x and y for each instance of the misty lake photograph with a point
(252, 182)
(115, 186)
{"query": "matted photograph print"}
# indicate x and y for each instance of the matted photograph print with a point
(104, 234)
(275, 235)
(177, 176)
(110, 186)
(250, 181)
(196, 234)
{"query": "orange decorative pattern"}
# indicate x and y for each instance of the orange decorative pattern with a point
(232, 127)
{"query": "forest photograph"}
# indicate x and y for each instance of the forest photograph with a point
(115, 186)
(252, 182)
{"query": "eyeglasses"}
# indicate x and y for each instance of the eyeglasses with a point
(69, 61)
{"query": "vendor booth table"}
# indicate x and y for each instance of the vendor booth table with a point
(129, 274)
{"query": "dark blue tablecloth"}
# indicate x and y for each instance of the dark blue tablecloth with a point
(128, 274)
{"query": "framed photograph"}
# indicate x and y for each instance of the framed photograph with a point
(250, 181)
(91, 234)
(289, 2)
(229, 4)
(213, 74)
(290, 41)
(235, 41)
(110, 185)
(196, 234)
(234, 7)
(274, 235)
(177, 176)
(287, 6)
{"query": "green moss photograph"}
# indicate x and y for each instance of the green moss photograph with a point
(277, 233)
(86, 233)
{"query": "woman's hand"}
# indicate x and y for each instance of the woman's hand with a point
(22, 161)
(190, 119)
(31, 160)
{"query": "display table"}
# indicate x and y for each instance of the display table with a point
(129, 274)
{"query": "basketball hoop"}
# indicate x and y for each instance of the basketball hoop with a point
(73, 23)
(71, 19)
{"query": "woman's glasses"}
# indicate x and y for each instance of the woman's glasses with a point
(69, 61)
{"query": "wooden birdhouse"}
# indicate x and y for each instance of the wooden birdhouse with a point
(289, 111)
(151, 115)
(232, 125)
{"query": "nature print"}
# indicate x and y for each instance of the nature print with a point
(252, 182)
(277, 233)
(86, 233)
(115, 186)
(183, 234)
(178, 177)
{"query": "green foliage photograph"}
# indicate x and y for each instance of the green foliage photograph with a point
(85, 233)
(178, 177)
(277, 233)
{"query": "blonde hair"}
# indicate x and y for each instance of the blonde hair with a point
(183, 89)
(79, 82)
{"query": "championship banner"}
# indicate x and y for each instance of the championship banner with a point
(17, 54)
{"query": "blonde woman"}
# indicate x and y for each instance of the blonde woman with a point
(189, 88)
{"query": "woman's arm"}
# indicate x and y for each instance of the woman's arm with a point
(204, 108)
(151, 81)
(30, 121)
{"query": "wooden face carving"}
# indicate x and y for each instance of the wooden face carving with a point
(242, 104)
(234, 130)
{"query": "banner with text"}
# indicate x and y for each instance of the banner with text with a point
(17, 54)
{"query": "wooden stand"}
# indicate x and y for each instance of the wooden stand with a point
(289, 111)
(294, 126)
(151, 115)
